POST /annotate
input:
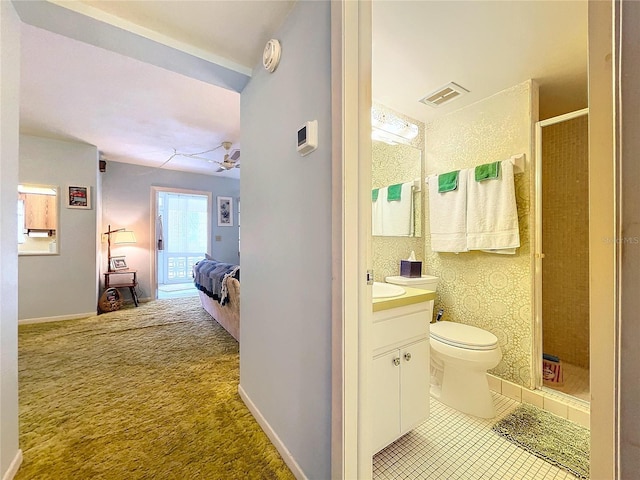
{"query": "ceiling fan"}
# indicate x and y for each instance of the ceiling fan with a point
(230, 159)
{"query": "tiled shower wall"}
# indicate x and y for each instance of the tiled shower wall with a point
(393, 164)
(490, 291)
(565, 241)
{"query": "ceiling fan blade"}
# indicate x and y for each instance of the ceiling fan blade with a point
(234, 155)
(221, 169)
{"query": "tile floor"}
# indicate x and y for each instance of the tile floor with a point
(452, 445)
(576, 382)
(177, 290)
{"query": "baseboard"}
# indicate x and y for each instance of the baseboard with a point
(13, 468)
(75, 316)
(573, 410)
(284, 452)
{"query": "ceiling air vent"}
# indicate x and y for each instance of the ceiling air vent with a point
(444, 95)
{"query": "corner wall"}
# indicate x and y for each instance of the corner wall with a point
(285, 347)
(490, 291)
(126, 202)
(62, 285)
(10, 455)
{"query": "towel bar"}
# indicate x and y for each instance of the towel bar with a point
(517, 161)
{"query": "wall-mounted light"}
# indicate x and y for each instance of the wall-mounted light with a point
(390, 128)
(36, 190)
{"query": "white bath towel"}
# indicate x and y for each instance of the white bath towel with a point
(448, 216)
(397, 215)
(492, 214)
(376, 212)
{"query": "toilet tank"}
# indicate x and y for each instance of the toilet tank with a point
(426, 282)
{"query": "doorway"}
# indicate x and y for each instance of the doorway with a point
(182, 234)
(562, 196)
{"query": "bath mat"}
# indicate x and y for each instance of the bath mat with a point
(554, 439)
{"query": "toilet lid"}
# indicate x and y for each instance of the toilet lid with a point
(463, 336)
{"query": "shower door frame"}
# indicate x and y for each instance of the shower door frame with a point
(538, 255)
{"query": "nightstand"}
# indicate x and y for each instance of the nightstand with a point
(122, 279)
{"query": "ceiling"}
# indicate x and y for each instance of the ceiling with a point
(142, 110)
(484, 46)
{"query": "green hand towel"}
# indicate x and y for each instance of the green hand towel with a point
(487, 171)
(374, 194)
(394, 193)
(448, 182)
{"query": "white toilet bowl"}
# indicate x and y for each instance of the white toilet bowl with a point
(460, 357)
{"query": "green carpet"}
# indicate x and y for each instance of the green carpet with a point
(558, 441)
(140, 393)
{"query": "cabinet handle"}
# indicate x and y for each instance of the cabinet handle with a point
(407, 356)
(396, 361)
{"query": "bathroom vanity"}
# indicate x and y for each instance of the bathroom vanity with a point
(400, 373)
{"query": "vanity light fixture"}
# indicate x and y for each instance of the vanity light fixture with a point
(390, 128)
(36, 190)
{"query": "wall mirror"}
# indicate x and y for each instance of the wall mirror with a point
(37, 219)
(393, 165)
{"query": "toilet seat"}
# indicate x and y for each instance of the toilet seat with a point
(463, 336)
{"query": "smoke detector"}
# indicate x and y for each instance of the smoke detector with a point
(443, 95)
(271, 55)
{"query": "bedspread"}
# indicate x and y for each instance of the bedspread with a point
(209, 277)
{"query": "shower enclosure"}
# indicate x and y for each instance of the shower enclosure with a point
(562, 255)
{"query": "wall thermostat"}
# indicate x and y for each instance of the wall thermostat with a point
(308, 137)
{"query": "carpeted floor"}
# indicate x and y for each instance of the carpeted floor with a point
(140, 393)
(559, 441)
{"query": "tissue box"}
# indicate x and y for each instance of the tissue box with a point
(410, 268)
(552, 373)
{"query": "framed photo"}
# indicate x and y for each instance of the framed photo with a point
(78, 197)
(118, 263)
(225, 211)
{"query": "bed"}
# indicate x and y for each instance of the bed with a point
(218, 285)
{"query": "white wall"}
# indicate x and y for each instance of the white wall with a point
(474, 287)
(9, 95)
(126, 202)
(285, 348)
(65, 284)
(602, 260)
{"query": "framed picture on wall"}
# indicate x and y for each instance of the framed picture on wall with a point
(225, 211)
(78, 197)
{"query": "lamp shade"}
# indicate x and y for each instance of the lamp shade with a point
(123, 236)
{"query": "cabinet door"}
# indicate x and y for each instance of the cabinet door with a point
(414, 384)
(40, 212)
(385, 399)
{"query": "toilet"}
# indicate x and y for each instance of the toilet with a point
(460, 357)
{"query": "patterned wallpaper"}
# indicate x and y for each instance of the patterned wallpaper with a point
(392, 164)
(490, 291)
(565, 241)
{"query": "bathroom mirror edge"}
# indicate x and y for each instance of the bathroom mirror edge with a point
(400, 163)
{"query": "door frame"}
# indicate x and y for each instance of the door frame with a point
(351, 449)
(153, 245)
(604, 369)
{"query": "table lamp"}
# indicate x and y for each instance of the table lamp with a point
(120, 236)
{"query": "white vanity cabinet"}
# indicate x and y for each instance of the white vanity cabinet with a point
(400, 373)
